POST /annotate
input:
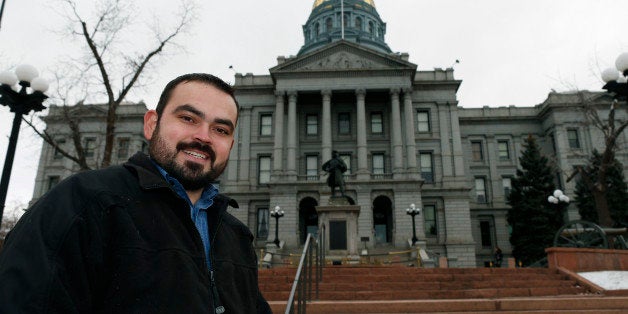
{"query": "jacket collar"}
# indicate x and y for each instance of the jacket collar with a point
(150, 178)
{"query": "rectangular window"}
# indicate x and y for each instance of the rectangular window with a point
(574, 140)
(423, 121)
(263, 174)
(429, 212)
(480, 190)
(262, 223)
(266, 124)
(52, 181)
(427, 169)
(311, 167)
(507, 184)
(123, 147)
(89, 147)
(347, 159)
(486, 234)
(344, 123)
(57, 154)
(377, 123)
(503, 150)
(378, 163)
(311, 124)
(476, 151)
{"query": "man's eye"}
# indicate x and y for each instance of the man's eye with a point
(222, 131)
(187, 119)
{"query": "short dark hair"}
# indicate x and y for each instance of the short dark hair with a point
(194, 77)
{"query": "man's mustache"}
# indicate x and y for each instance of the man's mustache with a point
(200, 147)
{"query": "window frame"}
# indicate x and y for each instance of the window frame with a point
(266, 128)
(311, 173)
(340, 122)
(383, 161)
(308, 125)
(264, 175)
(380, 124)
(258, 224)
(480, 145)
(481, 193)
(431, 177)
(89, 146)
(500, 151)
(576, 144)
(123, 151)
(420, 122)
(428, 231)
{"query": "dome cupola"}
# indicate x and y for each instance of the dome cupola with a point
(362, 25)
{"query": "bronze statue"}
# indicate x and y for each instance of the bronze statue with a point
(335, 167)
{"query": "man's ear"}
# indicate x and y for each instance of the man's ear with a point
(150, 123)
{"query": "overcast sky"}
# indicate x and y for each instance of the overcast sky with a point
(511, 52)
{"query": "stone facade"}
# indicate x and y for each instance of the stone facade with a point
(400, 131)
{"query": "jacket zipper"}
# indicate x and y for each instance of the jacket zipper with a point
(218, 307)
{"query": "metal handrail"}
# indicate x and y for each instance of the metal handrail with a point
(302, 285)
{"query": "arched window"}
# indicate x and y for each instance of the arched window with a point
(328, 24)
(317, 29)
(346, 20)
(382, 219)
(358, 23)
(371, 27)
(308, 218)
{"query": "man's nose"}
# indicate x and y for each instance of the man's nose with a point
(203, 134)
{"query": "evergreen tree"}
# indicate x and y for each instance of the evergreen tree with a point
(534, 221)
(616, 193)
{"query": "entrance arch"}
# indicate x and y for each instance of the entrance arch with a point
(382, 219)
(308, 217)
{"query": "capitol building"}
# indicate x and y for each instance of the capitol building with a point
(399, 130)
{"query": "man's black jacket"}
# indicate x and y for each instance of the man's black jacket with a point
(120, 240)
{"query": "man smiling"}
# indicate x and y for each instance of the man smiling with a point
(150, 236)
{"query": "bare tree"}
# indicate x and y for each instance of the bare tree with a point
(110, 67)
(611, 127)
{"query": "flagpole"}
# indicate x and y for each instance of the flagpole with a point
(342, 18)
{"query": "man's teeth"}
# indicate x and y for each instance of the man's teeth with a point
(193, 154)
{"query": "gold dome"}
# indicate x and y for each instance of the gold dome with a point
(319, 2)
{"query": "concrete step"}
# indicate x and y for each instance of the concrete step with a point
(571, 304)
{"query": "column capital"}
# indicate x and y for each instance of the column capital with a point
(360, 92)
(395, 91)
(326, 92)
(407, 90)
(280, 93)
(292, 93)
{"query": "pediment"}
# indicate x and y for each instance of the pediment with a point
(343, 56)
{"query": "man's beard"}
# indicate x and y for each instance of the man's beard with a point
(189, 174)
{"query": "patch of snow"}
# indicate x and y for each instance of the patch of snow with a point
(608, 280)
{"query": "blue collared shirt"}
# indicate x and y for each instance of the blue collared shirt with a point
(198, 211)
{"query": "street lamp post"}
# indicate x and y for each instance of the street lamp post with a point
(277, 213)
(616, 83)
(557, 198)
(413, 211)
(21, 103)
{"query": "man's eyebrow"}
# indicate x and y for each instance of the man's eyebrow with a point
(226, 122)
(200, 114)
(191, 109)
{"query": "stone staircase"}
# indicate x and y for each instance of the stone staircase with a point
(379, 289)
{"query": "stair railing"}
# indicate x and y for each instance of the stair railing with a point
(301, 291)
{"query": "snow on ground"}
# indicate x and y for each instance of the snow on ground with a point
(608, 280)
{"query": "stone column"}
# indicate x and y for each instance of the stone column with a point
(446, 151)
(278, 148)
(245, 145)
(326, 126)
(362, 171)
(395, 127)
(458, 156)
(410, 141)
(292, 135)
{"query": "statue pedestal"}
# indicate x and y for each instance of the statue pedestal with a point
(340, 221)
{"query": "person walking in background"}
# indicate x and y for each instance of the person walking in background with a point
(150, 236)
(498, 257)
